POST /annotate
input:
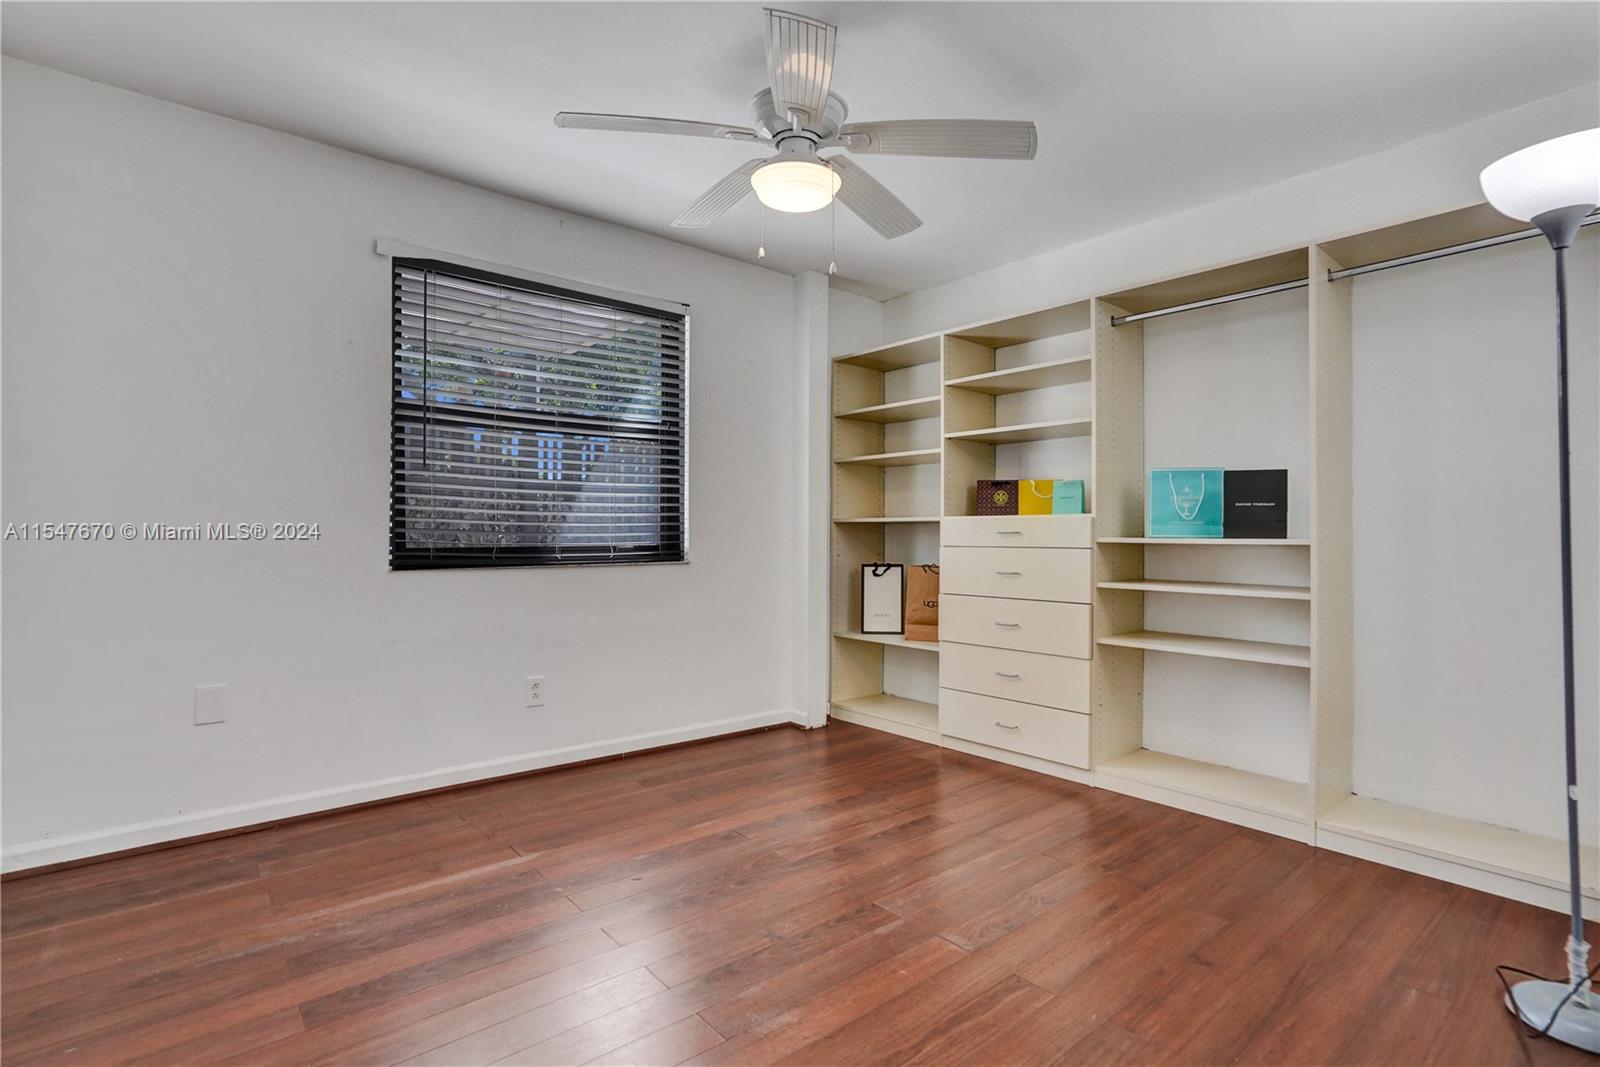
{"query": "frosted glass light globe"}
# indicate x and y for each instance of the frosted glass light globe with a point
(795, 185)
(1561, 172)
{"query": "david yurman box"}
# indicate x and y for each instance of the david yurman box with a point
(1256, 504)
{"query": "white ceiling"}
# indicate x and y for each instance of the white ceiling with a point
(1143, 108)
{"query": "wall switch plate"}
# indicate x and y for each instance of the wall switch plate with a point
(210, 704)
(533, 695)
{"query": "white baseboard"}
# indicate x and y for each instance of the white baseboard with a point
(134, 835)
(1238, 814)
(1501, 885)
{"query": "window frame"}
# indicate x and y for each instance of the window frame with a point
(401, 559)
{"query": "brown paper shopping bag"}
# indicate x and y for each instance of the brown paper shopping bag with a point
(922, 602)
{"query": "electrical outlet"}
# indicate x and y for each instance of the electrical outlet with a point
(210, 704)
(534, 693)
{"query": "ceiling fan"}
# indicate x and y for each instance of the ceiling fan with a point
(799, 116)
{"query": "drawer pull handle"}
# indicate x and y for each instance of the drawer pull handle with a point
(1006, 725)
(1009, 533)
(1006, 674)
(1010, 574)
(1010, 625)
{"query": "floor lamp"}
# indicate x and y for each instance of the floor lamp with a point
(1554, 185)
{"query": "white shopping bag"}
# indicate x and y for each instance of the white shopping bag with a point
(883, 600)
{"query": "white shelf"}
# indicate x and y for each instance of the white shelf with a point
(894, 459)
(1029, 376)
(897, 356)
(1027, 431)
(1213, 647)
(1234, 589)
(896, 715)
(891, 518)
(1210, 781)
(1217, 542)
(922, 407)
(891, 640)
(1475, 844)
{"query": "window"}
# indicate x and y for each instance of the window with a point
(532, 425)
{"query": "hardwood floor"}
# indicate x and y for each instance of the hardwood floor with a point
(834, 897)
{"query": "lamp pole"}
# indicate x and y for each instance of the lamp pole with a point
(1561, 226)
(1554, 185)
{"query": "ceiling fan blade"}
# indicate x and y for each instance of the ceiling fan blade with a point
(876, 206)
(800, 63)
(588, 120)
(720, 197)
(956, 138)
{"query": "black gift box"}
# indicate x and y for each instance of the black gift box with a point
(1255, 504)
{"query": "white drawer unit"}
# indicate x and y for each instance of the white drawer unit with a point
(1054, 681)
(1048, 733)
(1023, 625)
(1024, 573)
(1017, 531)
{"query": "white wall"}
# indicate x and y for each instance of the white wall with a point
(196, 328)
(855, 322)
(1227, 387)
(1457, 579)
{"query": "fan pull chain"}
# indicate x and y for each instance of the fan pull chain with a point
(833, 235)
(761, 243)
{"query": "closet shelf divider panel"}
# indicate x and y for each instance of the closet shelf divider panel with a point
(1213, 647)
(1029, 376)
(922, 407)
(1233, 589)
(908, 458)
(1051, 430)
(1212, 542)
(888, 640)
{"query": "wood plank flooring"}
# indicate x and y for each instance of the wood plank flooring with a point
(834, 897)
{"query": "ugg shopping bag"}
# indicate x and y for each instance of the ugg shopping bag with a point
(922, 602)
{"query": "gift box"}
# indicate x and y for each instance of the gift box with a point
(1067, 497)
(1255, 504)
(1035, 496)
(1184, 502)
(883, 598)
(997, 497)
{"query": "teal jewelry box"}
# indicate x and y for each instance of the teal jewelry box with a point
(1184, 502)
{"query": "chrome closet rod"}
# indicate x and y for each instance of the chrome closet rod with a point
(1348, 272)
(1450, 250)
(1228, 298)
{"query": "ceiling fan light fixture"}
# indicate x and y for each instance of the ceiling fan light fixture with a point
(795, 185)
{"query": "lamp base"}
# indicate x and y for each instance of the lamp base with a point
(1577, 1025)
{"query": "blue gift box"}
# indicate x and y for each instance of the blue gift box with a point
(1067, 499)
(1184, 502)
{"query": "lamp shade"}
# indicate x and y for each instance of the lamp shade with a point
(795, 185)
(1558, 173)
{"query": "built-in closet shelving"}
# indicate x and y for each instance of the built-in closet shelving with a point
(1003, 399)
(1063, 393)
(1235, 575)
(886, 449)
(1494, 858)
